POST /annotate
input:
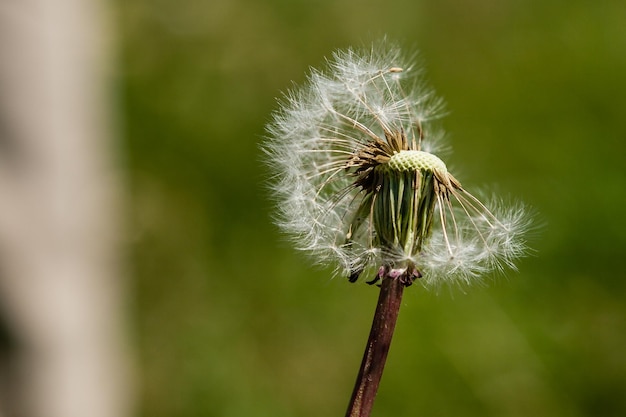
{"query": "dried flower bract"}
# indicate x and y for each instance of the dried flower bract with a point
(359, 183)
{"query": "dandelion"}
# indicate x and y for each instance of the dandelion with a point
(360, 186)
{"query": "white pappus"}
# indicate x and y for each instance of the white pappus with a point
(359, 184)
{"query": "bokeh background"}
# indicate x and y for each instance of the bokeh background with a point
(230, 321)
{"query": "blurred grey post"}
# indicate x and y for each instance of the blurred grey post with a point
(62, 346)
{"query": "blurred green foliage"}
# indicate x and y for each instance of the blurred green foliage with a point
(231, 322)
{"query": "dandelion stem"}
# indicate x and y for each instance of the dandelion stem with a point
(377, 347)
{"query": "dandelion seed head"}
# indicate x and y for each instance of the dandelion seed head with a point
(360, 183)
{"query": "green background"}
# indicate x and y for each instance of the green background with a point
(230, 321)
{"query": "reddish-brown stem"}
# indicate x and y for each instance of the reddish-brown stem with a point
(377, 347)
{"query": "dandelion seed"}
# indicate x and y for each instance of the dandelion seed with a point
(360, 184)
